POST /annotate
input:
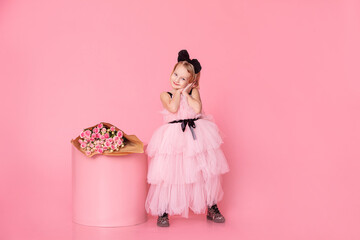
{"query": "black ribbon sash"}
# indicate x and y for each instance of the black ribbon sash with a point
(190, 122)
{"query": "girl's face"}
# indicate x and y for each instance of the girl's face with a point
(180, 77)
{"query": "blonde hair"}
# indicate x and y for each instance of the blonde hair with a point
(190, 68)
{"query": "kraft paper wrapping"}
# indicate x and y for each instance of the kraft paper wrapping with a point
(131, 142)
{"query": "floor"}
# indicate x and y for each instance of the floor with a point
(194, 227)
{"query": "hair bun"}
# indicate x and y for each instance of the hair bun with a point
(196, 65)
(184, 56)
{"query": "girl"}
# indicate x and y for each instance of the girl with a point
(186, 159)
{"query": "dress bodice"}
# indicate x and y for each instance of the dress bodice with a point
(185, 111)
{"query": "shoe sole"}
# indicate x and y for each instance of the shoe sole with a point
(161, 225)
(217, 221)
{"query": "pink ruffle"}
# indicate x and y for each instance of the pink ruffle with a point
(176, 199)
(170, 139)
(181, 169)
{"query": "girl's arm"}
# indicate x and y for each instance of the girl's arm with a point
(171, 104)
(194, 100)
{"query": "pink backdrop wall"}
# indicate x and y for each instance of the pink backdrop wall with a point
(279, 77)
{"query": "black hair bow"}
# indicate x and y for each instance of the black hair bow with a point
(184, 56)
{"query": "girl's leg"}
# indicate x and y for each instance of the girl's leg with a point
(214, 194)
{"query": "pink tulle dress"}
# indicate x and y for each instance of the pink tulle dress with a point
(185, 166)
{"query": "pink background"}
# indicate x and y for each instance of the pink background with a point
(279, 77)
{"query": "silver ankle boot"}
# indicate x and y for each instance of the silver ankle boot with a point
(163, 221)
(214, 214)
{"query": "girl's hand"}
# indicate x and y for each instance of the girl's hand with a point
(187, 89)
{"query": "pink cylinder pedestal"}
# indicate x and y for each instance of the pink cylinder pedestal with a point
(109, 191)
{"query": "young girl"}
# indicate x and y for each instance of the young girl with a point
(186, 159)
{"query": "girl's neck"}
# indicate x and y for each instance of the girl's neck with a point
(173, 91)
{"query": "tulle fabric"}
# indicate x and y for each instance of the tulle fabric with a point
(170, 139)
(185, 173)
(176, 199)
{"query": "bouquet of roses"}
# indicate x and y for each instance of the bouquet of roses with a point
(106, 139)
(100, 139)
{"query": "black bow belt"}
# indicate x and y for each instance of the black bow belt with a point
(190, 122)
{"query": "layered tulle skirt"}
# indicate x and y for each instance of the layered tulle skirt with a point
(185, 173)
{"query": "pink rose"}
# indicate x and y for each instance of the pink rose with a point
(103, 130)
(80, 141)
(113, 147)
(83, 145)
(120, 134)
(107, 144)
(96, 130)
(100, 125)
(116, 138)
(106, 135)
(112, 128)
(100, 150)
(87, 133)
(82, 134)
